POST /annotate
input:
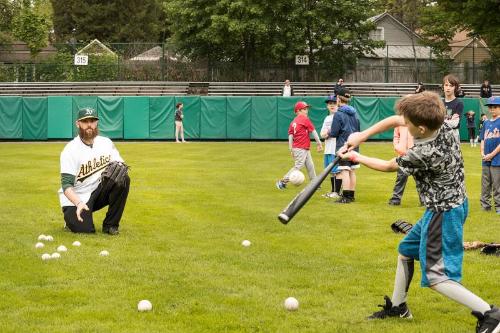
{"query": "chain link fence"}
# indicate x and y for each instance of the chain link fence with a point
(156, 62)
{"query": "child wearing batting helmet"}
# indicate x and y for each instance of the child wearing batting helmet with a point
(436, 163)
(299, 143)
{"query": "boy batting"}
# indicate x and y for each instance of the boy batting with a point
(436, 163)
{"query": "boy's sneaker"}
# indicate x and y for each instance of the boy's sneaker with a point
(331, 195)
(401, 311)
(280, 185)
(489, 322)
(344, 200)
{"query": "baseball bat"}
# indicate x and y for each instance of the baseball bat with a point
(301, 199)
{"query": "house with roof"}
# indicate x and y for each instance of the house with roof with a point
(397, 60)
(95, 47)
(468, 49)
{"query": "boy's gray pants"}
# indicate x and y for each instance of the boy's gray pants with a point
(302, 157)
(490, 184)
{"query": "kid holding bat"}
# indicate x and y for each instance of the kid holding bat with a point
(436, 163)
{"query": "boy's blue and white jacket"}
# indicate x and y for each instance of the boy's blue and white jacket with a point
(344, 123)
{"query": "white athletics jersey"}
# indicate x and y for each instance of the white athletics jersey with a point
(330, 143)
(86, 164)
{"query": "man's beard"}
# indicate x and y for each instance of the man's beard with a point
(88, 134)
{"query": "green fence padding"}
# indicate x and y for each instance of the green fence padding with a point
(11, 118)
(136, 117)
(80, 102)
(35, 118)
(110, 111)
(192, 115)
(161, 117)
(60, 117)
(207, 117)
(213, 118)
(264, 118)
(317, 111)
(285, 115)
(239, 113)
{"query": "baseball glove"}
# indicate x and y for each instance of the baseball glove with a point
(114, 174)
(401, 226)
(491, 249)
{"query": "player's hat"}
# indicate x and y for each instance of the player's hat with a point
(300, 105)
(86, 113)
(331, 98)
(344, 92)
(493, 100)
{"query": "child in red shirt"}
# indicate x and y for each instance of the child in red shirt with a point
(299, 143)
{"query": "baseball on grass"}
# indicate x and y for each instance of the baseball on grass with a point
(296, 177)
(246, 243)
(104, 253)
(76, 243)
(61, 248)
(291, 304)
(144, 305)
(39, 245)
(49, 238)
(46, 256)
(55, 255)
(42, 237)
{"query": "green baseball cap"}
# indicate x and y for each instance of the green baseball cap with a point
(86, 113)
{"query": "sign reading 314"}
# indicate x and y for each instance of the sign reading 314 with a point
(301, 60)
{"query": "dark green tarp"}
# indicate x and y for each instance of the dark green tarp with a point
(161, 117)
(11, 118)
(35, 118)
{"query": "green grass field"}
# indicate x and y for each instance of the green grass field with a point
(189, 208)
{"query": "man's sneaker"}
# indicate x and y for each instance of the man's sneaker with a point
(344, 200)
(331, 195)
(388, 310)
(394, 203)
(111, 230)
(489, 322)
(280, 185)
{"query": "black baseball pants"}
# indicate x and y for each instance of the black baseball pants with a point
(115, 198)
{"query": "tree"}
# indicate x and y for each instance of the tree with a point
(478, 16)
(118, 21)
(270, 31)
(31, 28)
(8, 11)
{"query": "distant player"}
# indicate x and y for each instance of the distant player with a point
(330, 143)
(436, 163)
(299, 143)
(454, 106)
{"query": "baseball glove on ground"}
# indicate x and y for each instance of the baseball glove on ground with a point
(114, 174)
(401, 226)
(491, 249)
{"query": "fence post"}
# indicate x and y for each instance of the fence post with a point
(163, 61)
(386, 79)
(473, 60)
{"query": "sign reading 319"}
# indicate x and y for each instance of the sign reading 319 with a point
(301, 60)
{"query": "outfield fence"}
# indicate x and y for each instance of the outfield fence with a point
(157, 62)
(205, 117)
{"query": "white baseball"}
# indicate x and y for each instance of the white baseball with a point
(104, 253)
(144, 305)
(55, 255)
(42, 237)
(246, 243)
(39, 245)
(46, 256)
(61, 248)
(76, 243)
(49, 238)
(291, 304)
